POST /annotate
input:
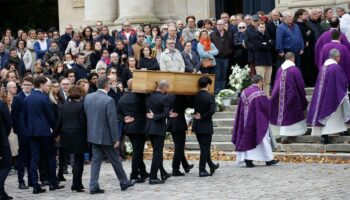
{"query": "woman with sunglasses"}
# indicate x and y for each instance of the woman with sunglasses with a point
(241, 54)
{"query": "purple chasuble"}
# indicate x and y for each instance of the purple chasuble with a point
(325, 38)
(288, 101)
(330, 90)
(252, 119)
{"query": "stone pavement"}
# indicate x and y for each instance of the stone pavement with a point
(284, 181)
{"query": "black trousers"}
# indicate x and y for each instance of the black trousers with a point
(138, 167)
(204, 141)
(157, 160)
(78, 169)
(179, 139)
(61, 161)
(23, 158)
(5, 167)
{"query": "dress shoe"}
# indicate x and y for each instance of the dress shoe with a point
(127, 185)
(145, 175)
(272, 162)
(204, 174)
(98, 191)
(23, 186)
(138, 180)
(55, 187)
(177, 173)
(38, 190)
(188, 169)
(249, 163)
(44, 183)
(77, 189)
(156, 181)
(165, 176)
(215, 167)
(5, 196)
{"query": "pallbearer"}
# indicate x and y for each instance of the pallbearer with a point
(251, 129)
(330, 109)
(288, 103)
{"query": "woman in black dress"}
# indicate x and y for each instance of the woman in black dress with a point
(72, 125)
(147, 62)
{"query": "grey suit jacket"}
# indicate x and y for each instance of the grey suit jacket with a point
(102, 125)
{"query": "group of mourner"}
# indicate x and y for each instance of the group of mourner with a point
(72, 95)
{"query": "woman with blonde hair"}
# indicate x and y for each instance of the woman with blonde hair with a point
(30, 45)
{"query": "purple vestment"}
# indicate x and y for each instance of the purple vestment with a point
(325, 38)
(288, 102)
(344, 56)
(330, 90)
(252, 119)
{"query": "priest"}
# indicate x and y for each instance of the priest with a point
(344, 53)
(251, 129)
(288, 101)
(329, 111)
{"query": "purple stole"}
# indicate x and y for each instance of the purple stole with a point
(246, 102)
(323, 75)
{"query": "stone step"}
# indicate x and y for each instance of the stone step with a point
(223, 122)
(224, 115)
(224, 130)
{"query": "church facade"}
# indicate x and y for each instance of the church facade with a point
(114, 12)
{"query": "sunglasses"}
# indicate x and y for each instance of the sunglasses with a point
(242, 27)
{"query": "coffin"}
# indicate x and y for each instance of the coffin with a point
(180, 83)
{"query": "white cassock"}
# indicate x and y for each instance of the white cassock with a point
(262, 152)
(336, 122)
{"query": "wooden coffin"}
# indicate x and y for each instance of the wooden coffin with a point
(180, 83)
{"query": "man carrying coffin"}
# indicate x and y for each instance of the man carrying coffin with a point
(251, 129)
(344, 61)
(329, 111)
(288, 103)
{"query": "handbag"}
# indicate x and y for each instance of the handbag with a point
(207, 63)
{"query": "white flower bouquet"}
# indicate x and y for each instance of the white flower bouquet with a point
(239, 79)
(223, 99)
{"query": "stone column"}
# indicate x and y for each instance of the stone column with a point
(103, 10)
(136, 12)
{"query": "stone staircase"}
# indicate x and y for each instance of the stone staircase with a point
(223, 126)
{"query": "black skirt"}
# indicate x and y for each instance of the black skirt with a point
(75, 141)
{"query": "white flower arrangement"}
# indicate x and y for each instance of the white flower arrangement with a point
(224, 98)
(128, 147)
(189, 115)
(239, 79)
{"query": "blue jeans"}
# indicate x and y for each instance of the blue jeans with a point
(220, 75)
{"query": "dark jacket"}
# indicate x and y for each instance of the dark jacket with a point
(20, 67)
(271, 28)
(248, 40)
(159, 104)
(204, 104)
(80, 71)
(316, 27)
(63, 42)
(17, 113)
(262, 44)
(94, 58)
(133, 105)
(108, 38)
(115, 94)
(5, 125)
(72, 127)
(178, 104)
(126, 75)
(193, 63)
(4, 57)
(224, 44)
(149, 64)
(38, 115)
(241, 53)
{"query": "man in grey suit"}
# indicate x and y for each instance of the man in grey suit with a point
(103, 135)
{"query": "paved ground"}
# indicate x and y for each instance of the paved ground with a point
(284, 181)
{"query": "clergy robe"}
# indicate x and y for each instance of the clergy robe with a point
(344, 56)
(325, 38)
(330, 108)
(251, 129)
(288, 102)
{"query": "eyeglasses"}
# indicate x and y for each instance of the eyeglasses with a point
(220, 24)
(165, 29)
(242, 27)
(171, 43)
(141, 36)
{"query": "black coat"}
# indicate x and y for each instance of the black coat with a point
(262, 44)
(126, 75)
(133, 105)
(94, 58)
(72, 127)
(149, 64)
(159, 104)
(5, 125)
(224, 44)
(178, 104)
(248, 40)
(204, 104)
(271, 28)
(193, 63)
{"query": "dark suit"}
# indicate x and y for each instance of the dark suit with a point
(39, 121)
(271, 28)
(71, 125)
(5, 151)
(102, 129)
(17, 114)
(158, 103)
(248, 40)
(178, 127)
(133, 105)
(204, 104)
(191, 63)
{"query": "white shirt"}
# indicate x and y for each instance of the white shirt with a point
(43, 44)
(345, 23)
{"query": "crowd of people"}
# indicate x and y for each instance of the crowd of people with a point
(71, 94)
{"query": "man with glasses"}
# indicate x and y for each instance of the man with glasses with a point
(171, 59)
(78, 67)
(127, 35)
(64, 87)
(17, 114)
(172, 34)
(188, 33)
(135, 50)
(65, 38)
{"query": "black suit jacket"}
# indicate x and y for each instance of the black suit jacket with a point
(159, 104)
(17, 113)
(193, 63)
(133, 105)
(178, 104)
(204, 104)
(5, 125)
